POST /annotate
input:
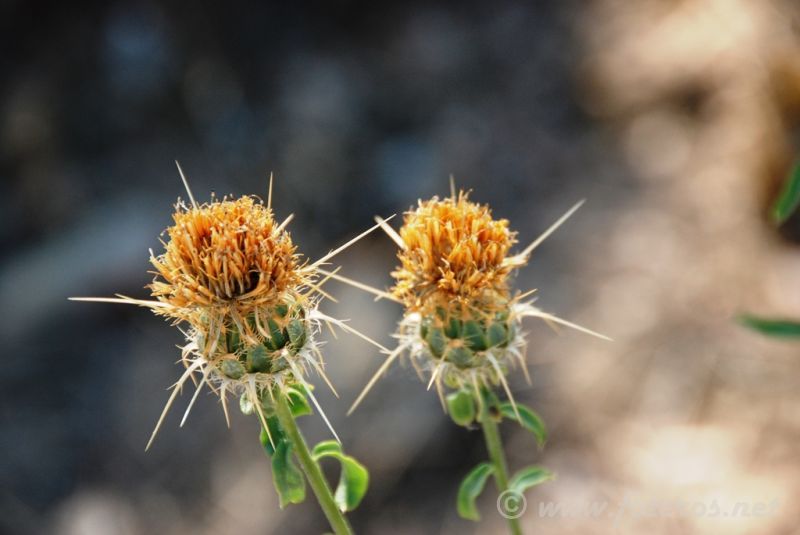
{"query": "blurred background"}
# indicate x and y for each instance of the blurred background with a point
(676, 119)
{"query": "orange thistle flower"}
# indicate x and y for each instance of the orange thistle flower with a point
(461, 326)
(453, 250)
(232, 274)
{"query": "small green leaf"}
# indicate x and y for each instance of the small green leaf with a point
(286, 476)
(326, 447)
(772, 327)
(354, 478)
(470, 489)
(298, 403)
(461, 407)
(529, 420)
(789, 198)
(528, 477)
(275, 432)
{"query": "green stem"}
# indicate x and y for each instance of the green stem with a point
(497, 456)
(311, 469)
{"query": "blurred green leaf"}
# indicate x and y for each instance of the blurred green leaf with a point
(471, 487)
(779, 328)
(528, 477)
(275, 432)
(286, 476)
(461, 407)
(298, 403)
(789, 198)
(529, 419)
(354, 478)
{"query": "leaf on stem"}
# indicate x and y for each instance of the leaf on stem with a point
(780, 328)
(461, 407)
(528, 477)
(286, 476)
(354, 478)
(789, 198)
(527, 419)
(471, 487)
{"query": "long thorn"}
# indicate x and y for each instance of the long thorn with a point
(223, 396)
(545, 316)
(391, 233)
(503, 382)
(194, 397)
(269, 193)
(122, 300)
(360, 285)
(342, 325)
(538, 241)
(345, 246)
(385, 366)
(283, 225)
(296, 372)
(186, 184)
(176, 388)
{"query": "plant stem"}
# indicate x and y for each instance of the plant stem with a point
(311, 469)
(497, 456)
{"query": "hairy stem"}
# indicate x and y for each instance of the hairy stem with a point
(497, 456)
(311, 469)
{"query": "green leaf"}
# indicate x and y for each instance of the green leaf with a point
(326, 448)
(470, 489)
(789, 198)
(275, 431)
(298, 403)
(286, 476)
(772, 327)
(354, 478)
(461, 407)
(528, 419)
(528, 477)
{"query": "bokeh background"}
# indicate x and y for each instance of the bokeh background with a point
(676, 119)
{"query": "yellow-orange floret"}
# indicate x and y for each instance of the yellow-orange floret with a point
(454, 251)
(229, 252)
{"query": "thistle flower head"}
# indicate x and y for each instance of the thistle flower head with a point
(462, 327)
(231, 273)
(228, 253)
(453, 250)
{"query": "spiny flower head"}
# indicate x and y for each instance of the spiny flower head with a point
(461, 325)
(232, 273)
(225, 253)
(453, 250)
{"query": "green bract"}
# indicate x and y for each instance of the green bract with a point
(285, 329)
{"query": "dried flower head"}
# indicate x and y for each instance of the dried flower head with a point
(225, 252)
(462, 327)
(453, 250)
(232, 275)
